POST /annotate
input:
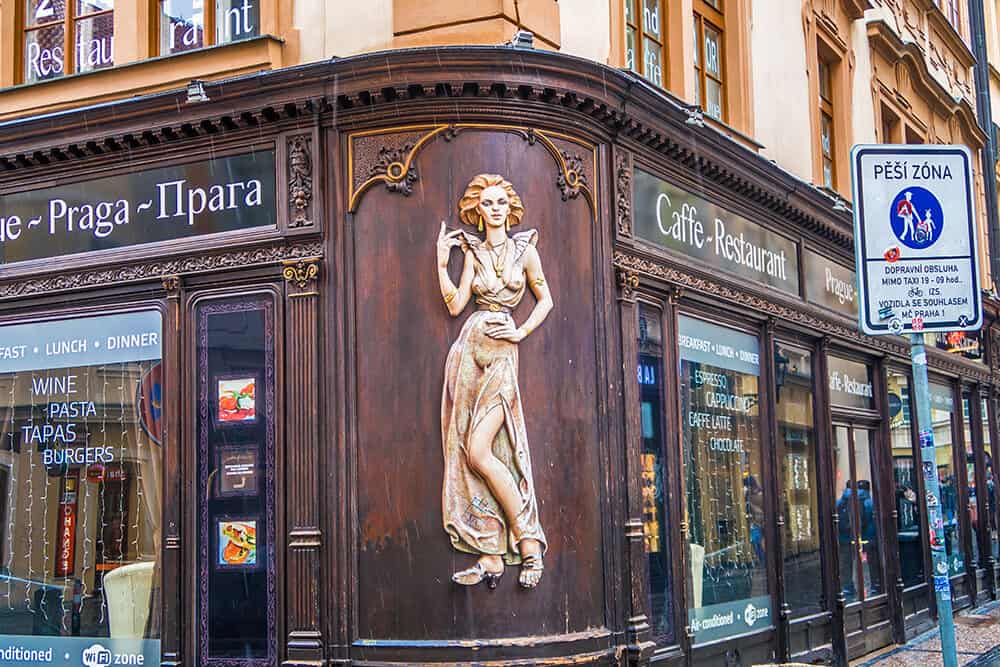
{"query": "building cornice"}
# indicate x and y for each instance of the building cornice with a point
(438, 81)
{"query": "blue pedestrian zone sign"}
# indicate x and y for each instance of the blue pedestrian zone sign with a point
(915, 239)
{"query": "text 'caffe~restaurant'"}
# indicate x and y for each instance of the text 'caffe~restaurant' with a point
(498, 365)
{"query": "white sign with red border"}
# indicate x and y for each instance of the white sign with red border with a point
(915, 239)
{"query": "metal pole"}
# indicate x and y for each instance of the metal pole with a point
(932, 501)
(981, 72)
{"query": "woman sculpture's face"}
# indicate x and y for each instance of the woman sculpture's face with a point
(494, 206)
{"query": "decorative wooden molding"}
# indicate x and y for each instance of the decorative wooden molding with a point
(158, 270)
(301, 273)
(629, 264)
(392, 162)
(623, 194)
(300, 181)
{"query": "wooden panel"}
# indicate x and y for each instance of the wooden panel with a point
(403, 333)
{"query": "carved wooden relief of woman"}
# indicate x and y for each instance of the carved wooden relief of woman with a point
(489, 503)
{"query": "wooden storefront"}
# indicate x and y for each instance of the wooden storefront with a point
(289, 425)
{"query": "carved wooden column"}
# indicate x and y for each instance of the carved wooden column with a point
(173, 628)
(304, 539)
(774, 483)
(637, 630)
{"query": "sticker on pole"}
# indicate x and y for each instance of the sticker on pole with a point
(915, 239)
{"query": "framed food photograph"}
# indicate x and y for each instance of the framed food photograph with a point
(235, 401)
(237, 472)
(236, 546)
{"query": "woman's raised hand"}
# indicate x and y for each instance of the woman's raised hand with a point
(445, 242)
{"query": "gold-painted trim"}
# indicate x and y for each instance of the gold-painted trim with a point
(396, 171)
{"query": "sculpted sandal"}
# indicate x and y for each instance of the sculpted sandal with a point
(476, 574)
(531, 571)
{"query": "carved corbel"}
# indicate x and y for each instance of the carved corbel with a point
(628, 281)
(302, 276)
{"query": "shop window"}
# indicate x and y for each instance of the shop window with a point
(971, 507)
(645, 39)
(827, 147)
(709, 61)
(722, 458)
(236, 430)
(942, 415)
(963, 343)
(191, 24)
(858, 536)
(905, 475)
(654, 516)
(80, 498)
(66, 36)
(797, 442)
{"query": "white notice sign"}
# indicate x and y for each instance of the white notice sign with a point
(915, 239)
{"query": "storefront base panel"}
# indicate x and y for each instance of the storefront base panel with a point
(961, 596)
(810, 638)
(751, 649)
(579, 648)
(982, 586)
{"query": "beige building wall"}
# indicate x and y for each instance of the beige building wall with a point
(583, 29)
(781, 81)
(863, 105)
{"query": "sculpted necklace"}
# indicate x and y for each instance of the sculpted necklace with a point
(498, 260)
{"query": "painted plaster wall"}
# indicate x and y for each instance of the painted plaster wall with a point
(863, 106)
(350, 27)
(584, 29)
(781, 86)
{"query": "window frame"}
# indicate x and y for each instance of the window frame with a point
(638, 27)
(710, 12)
(828, 155)
(69, 22)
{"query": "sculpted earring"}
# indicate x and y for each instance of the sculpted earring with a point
(480, 222)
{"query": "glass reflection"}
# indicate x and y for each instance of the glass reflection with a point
(942, 407)
(971, 507)
(796, 439)
(904, 472)
(654, 518)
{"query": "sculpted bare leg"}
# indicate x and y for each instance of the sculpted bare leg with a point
(504, 488)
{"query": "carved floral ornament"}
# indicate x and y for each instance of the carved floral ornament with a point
(300, 181)
(394, 164)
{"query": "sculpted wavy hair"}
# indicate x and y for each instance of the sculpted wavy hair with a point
(469, 202)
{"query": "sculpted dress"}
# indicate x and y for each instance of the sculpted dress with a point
(481, 376)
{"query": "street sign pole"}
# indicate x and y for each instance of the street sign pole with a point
(932, 501)
(914, 277)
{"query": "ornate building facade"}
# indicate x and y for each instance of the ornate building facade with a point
(500, 332)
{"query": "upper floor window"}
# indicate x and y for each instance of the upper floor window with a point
(191, 24)
(826, 124)
(645, 35)
(709, 74)
(952, 10)
(66, 36)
